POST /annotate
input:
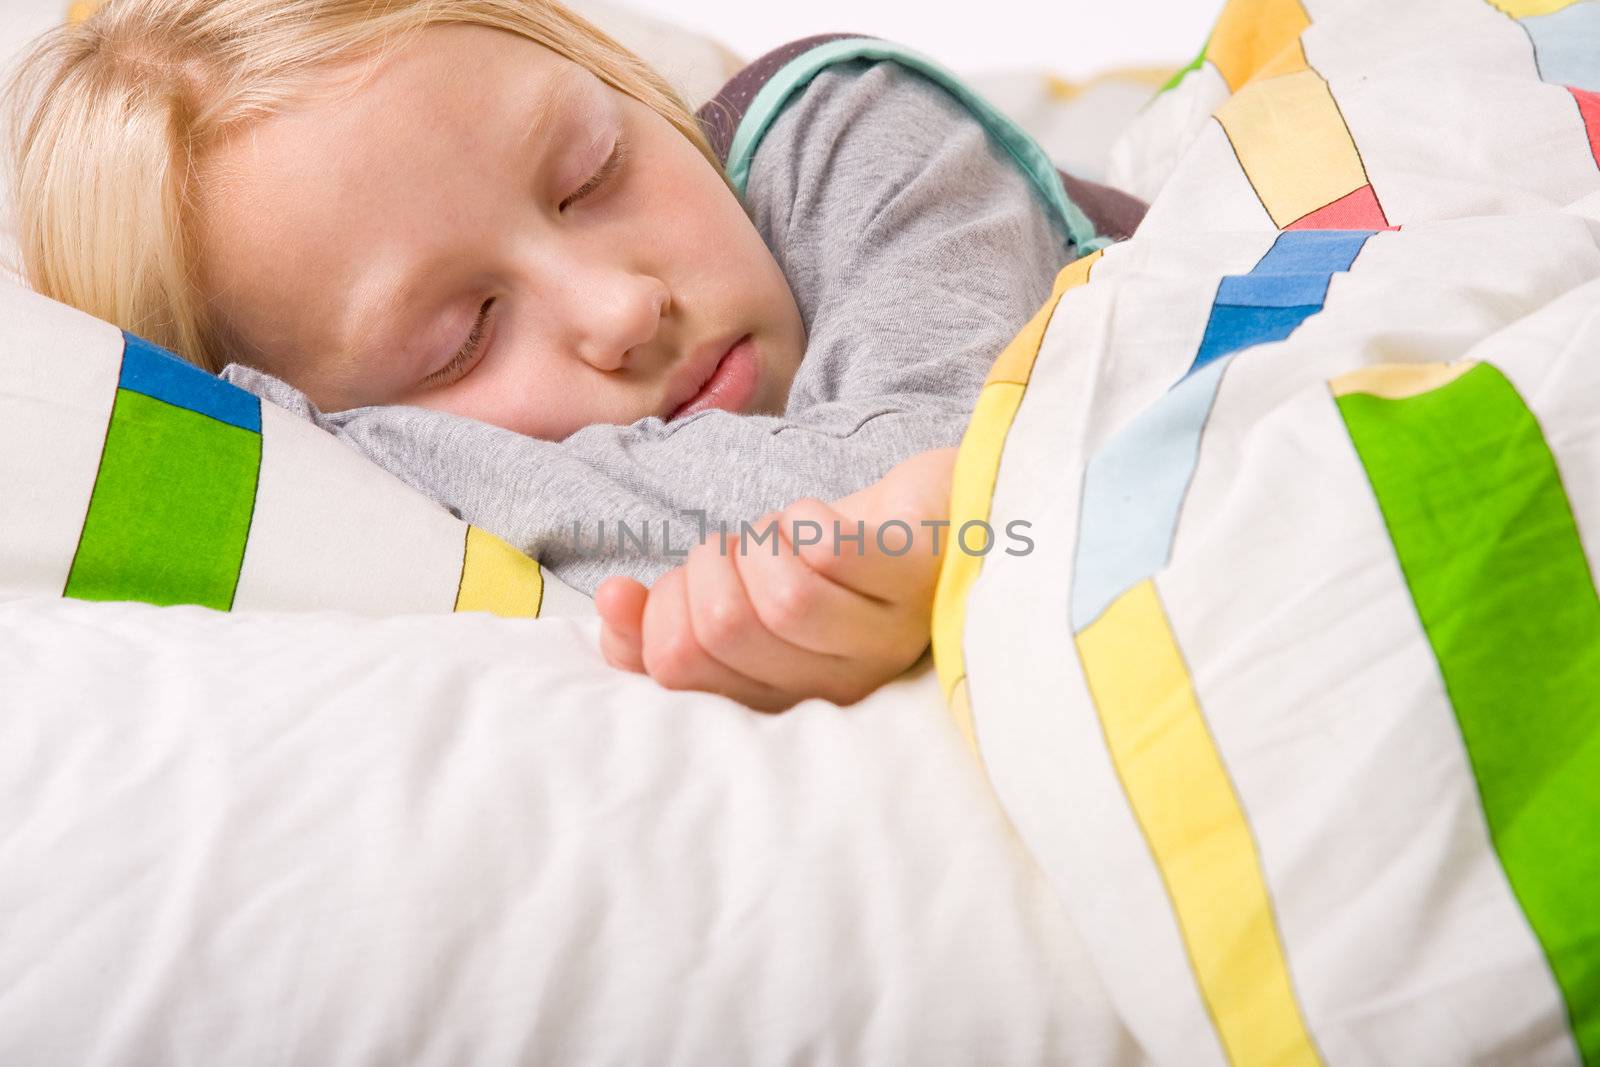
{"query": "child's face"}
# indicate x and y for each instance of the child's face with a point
(353, 245)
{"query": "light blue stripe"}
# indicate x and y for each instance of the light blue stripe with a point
(1132, 493)
(1566, 44)
(1134, 487)
(798, 72)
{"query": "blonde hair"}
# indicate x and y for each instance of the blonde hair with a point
(112, 114)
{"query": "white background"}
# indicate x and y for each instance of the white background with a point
(1073, 38)
(22, 19)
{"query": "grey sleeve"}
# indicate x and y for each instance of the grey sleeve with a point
(916, 249)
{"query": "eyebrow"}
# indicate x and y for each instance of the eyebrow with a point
(564, 86)
(381, 318)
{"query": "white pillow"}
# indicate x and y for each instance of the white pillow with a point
(459, 839)
(696, 64)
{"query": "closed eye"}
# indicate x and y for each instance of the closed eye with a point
(468, 349)
(613, 163)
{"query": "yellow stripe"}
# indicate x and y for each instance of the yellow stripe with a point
(1289, 60)
(1521, 9)
(1396, 381)
(1185, 803)
(972, 487)
(1016, 362)
(1249, 33)
(1061, 89)
(961, 711)
(497, 578)
(971, 497)
(1293, 144)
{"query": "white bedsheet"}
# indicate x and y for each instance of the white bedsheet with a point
(330, 840)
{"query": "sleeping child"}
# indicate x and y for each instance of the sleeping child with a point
(492, 250)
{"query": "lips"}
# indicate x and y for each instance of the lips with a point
(728, 383)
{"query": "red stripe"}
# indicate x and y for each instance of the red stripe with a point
(1359, 210)
(1589, 108)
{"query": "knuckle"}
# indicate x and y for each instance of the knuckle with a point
(802, 509)
(673, 662)
(789, 604)
(720, 623)
(824, 558)
(612, 653)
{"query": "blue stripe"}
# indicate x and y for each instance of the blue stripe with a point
(1313, 251)
(1133, 490)
(1287, 287)
(1566, 45)
(1274, 290)
(1232, 328)
(157, 373)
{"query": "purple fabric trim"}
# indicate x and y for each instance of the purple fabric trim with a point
(1114, 213)
(720, 116)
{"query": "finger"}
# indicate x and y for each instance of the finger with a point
(877, 560)
(918, 485)
(894, 532)
(674, 658)
(922, 484)
(808, 610)
(893, 561)
(620, 602)
(729, 628)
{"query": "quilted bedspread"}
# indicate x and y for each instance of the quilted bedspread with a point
(1294, 692)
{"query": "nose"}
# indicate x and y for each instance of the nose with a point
(618, 313)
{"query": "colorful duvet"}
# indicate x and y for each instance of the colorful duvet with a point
(1296, 697)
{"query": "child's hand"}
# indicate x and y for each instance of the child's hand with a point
(769, 630)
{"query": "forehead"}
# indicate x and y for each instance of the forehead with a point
(299, 213)
(443, 84)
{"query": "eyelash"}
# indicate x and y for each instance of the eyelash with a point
(468, 349)
(613, 163)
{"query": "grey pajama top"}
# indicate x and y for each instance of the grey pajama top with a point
(915, 248)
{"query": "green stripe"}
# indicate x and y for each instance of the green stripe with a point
(1486, 537)
(1194, 64)
(798, 72)
(171, 507)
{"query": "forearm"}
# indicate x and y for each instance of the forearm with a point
(625, 500)
(630, 499)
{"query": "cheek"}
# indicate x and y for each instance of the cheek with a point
(692, 210)
(511, 393)
(545, 398)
